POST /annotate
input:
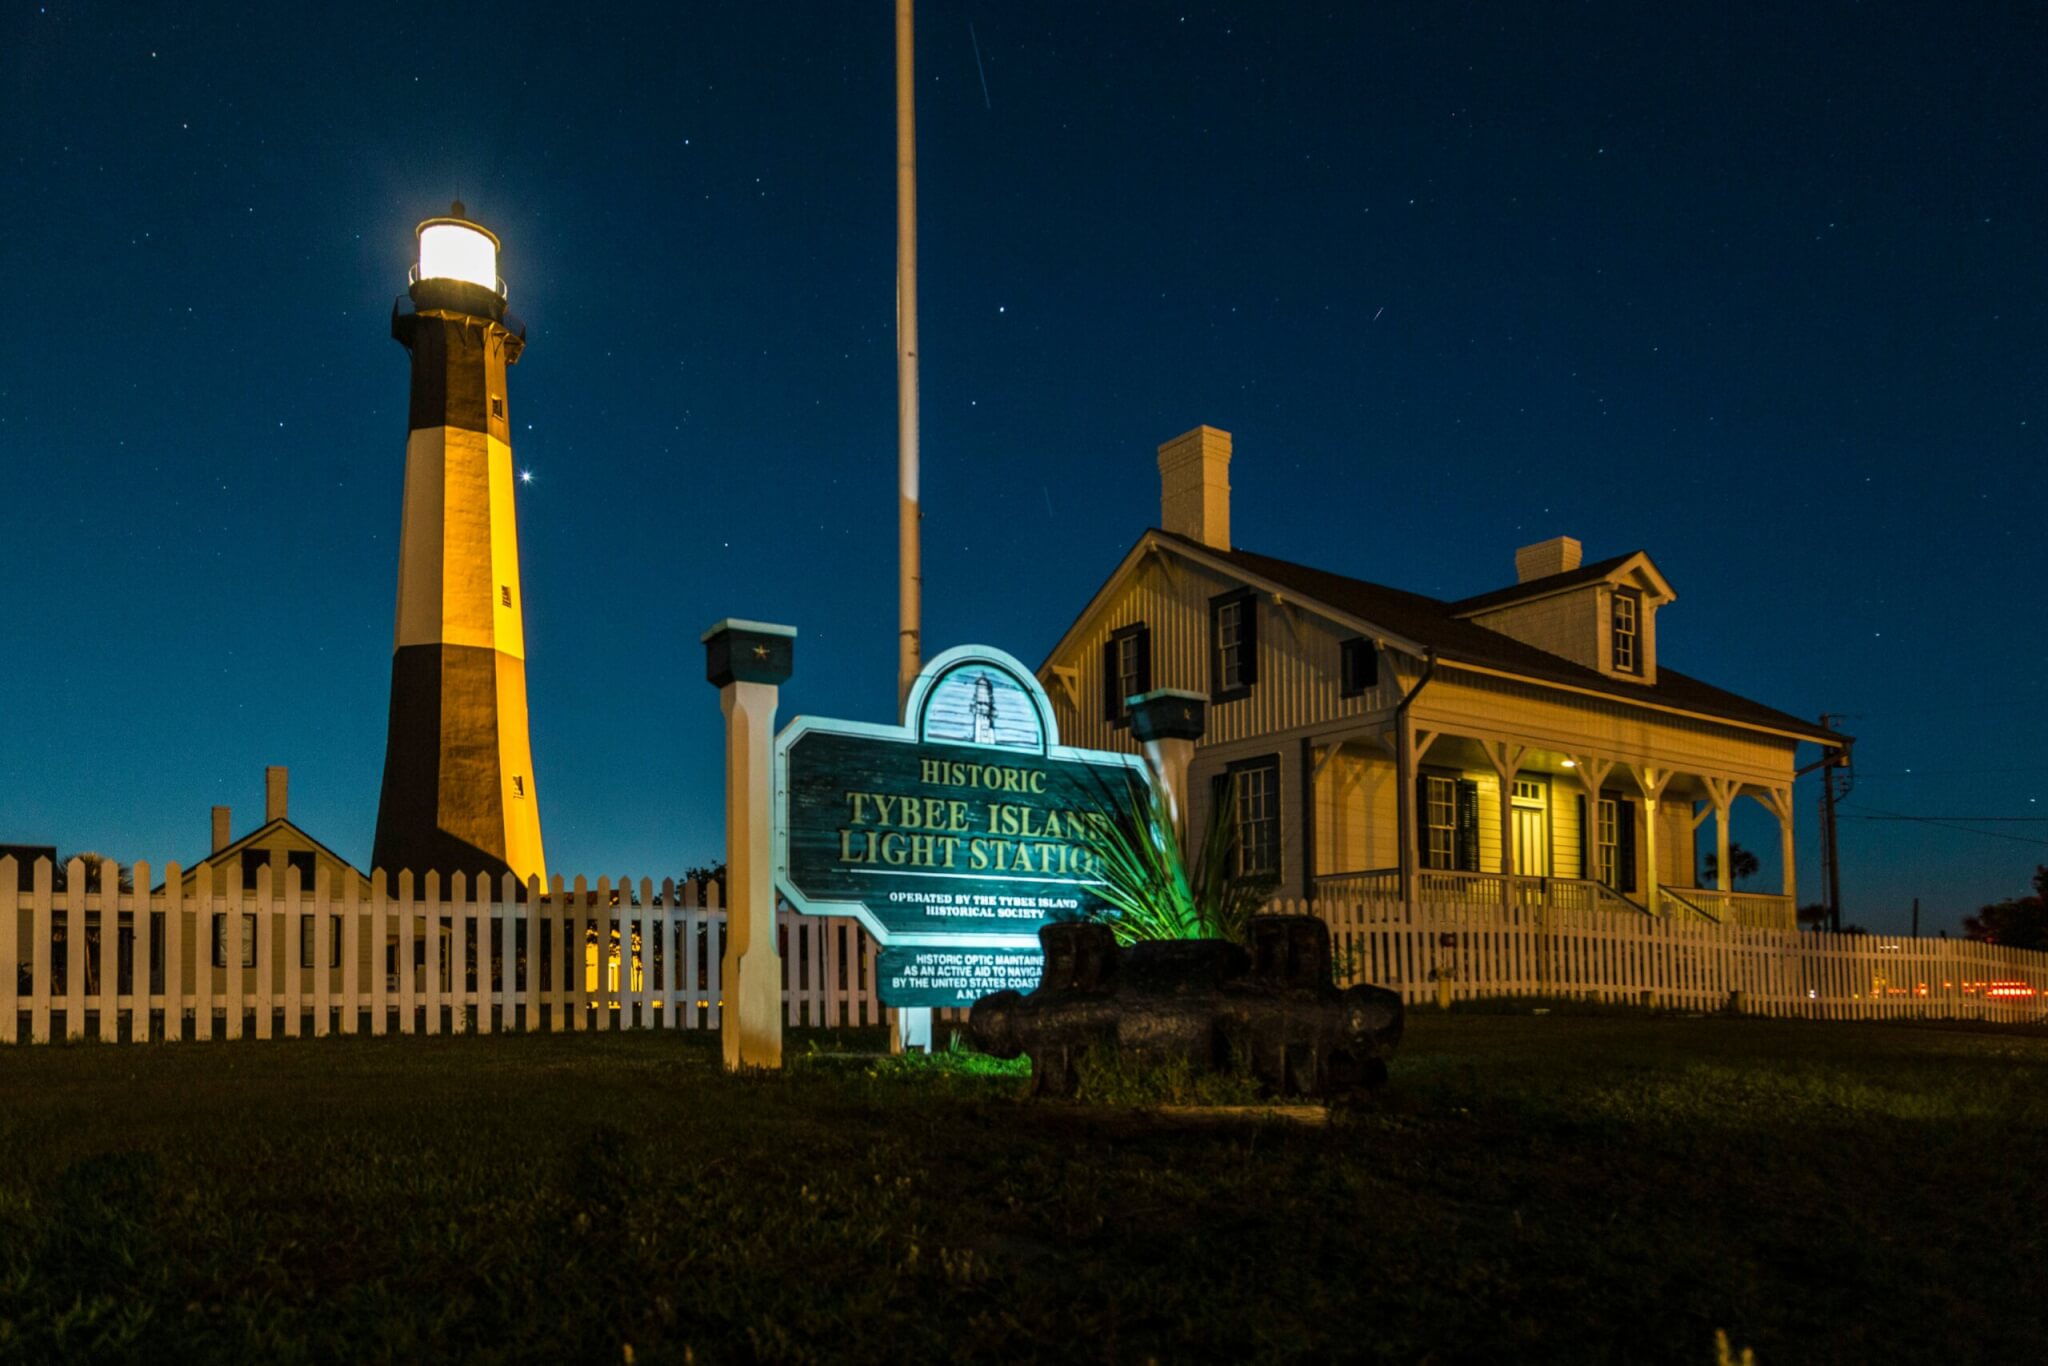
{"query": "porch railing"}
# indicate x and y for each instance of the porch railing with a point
(1444, 887)
(1757, 910)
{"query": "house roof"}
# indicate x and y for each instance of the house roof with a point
(1543, 587)
(235, 847)
(1437, 625)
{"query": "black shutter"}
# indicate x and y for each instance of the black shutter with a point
(1422, 821)
(1112, 705)
(1468, 826)
(1625, 846)
(1144, 634)
(1219, 797)
(1248, 641)
(1588, 835)
(1361, 667)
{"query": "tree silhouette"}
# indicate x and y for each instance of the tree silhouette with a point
(2021, 923)
(92, 871)
(1740, 861)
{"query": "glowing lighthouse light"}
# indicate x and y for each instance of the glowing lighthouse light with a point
(454, 249)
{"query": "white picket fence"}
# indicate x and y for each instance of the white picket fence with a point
(1431, 952)
(333, 959)
(428, 957)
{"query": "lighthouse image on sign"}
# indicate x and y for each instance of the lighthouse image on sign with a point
(459, 792)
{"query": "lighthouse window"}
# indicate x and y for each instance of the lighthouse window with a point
(497, 406)
(518, 785)
(504, 595)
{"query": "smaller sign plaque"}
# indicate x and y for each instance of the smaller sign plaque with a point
(945, 976)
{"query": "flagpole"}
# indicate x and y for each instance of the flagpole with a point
(911, 1026)
(910, 576)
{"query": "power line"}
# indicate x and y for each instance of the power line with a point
(1953, 772)
(1980, 820)
(1945, 823)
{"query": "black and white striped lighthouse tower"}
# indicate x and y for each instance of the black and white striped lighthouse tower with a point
(459, 792)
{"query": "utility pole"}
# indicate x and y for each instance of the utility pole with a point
(909, 511)
(1831, 857)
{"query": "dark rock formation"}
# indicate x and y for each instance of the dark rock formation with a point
(1272, 1013)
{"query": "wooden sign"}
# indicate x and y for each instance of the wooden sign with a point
(959, 832)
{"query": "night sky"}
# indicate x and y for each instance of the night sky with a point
(1759, 291)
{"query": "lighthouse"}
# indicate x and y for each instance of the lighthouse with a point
(459, 792)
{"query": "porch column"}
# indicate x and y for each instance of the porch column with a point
(1506, 758)
(1780, 803)
(1653, 781)
(1410, 744)
(1722, 792)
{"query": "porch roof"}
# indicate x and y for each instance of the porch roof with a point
(1435, 624)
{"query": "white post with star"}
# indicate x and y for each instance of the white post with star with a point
(748, 661)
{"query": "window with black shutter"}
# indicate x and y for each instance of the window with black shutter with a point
(1468, 826)
(1600, 841)
(1233, 645)
(1448, 812)
(1252, 787)
(1360, 667)
(1585, 840)
(1624, 845)
(1126, 670)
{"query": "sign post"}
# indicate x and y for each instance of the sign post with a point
(748, 661)
(1167, 722)
(954, 836)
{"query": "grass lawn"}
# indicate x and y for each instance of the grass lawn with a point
(1553, 1188)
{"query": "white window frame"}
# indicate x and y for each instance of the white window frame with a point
(1127, 660)
(1628, 634)
(1256, 811)
(1607, 842)
(1440, 837)
(1229, 642)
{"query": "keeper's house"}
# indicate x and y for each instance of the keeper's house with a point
(1522, 747)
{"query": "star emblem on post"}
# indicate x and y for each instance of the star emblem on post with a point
(760, 652)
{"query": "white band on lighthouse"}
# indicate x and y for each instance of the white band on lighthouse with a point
(449, 251)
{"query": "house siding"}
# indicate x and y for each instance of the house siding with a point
(1566, 624)
(1300, 677)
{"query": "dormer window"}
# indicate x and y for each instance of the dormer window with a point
(1628, 631)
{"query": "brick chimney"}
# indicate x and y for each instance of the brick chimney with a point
(1194, 486)
(274, 779)
(1545, 558)
(222, 837)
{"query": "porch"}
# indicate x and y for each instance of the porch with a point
(1434, 817)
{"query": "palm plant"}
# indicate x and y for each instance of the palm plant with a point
(1741, 864)
(1155, 893)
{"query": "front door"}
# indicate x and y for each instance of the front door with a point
(1532, 831)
